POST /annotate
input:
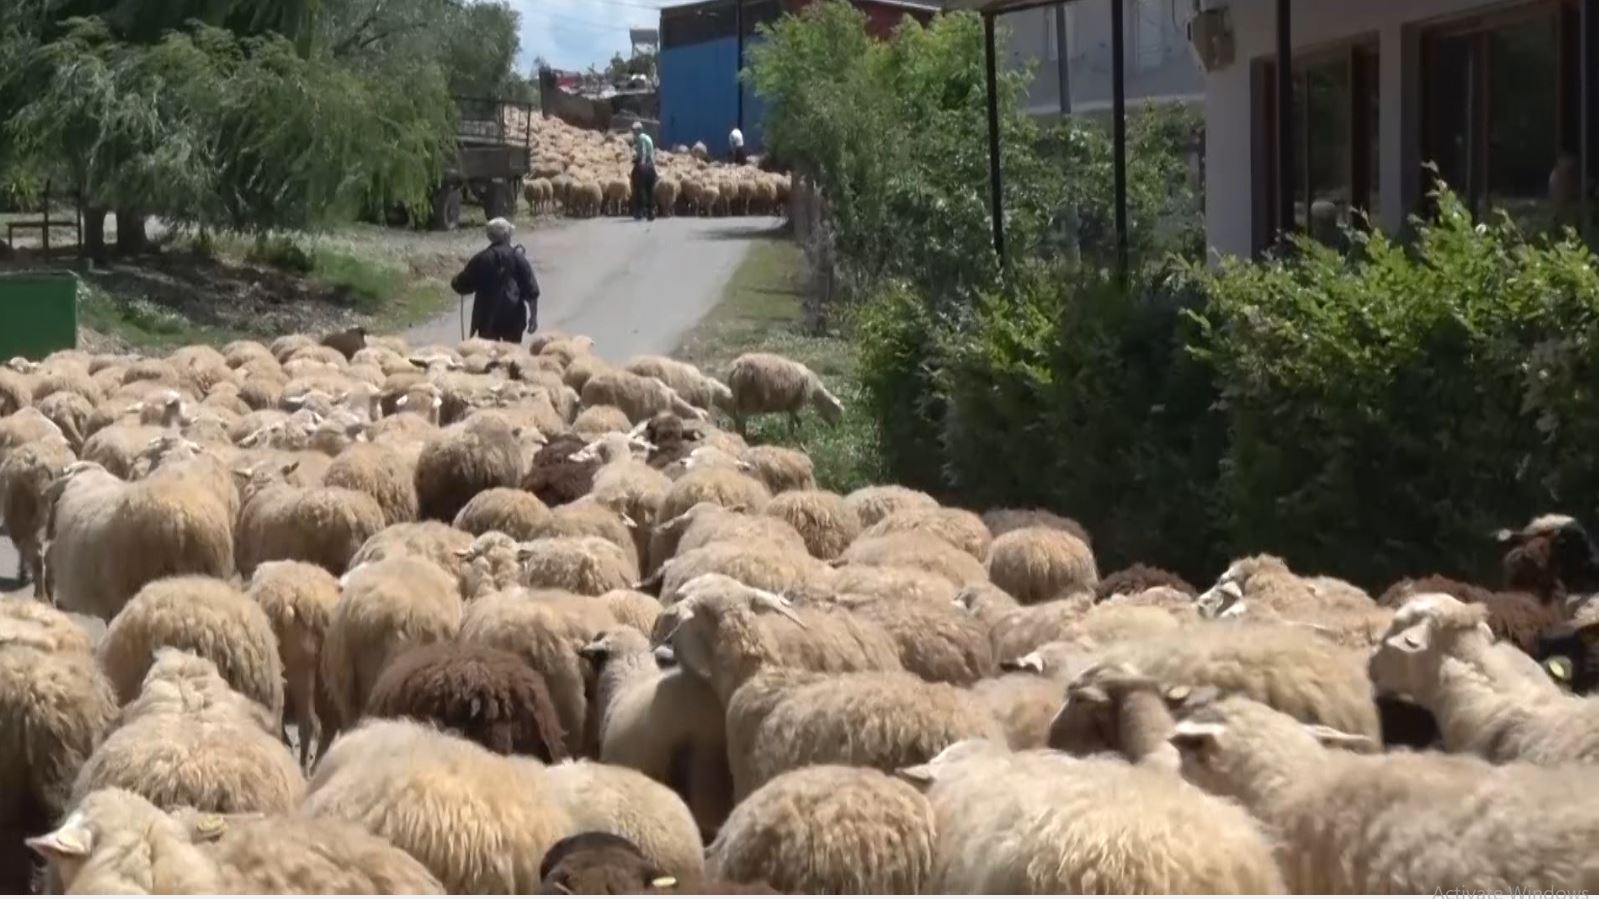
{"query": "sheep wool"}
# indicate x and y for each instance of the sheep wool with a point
(823, 519)
(508, 510)
(829, 829)
(381, 472)
(763, 382)
(207, 617)
(480, 822)
(1041, 823)
(957, 527)
(585, 565)
(299, 598)
(385, 607)
(1036, 564)
(873, 504)
(612, 799)
(465, 459)
(431, 540)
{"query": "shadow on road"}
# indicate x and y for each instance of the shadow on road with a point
(8, 584)
(778, 231)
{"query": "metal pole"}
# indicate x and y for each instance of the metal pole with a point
(1285, 118)
(738, 84)
(1063, 64)
(1588, 97)
(1118, 65)
(995, 186)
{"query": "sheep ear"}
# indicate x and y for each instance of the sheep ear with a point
(664, 882)
(920, 776)
(773, 602)
(1559, 668)
(1031, 662)
(1333, 738)
(210, 827)
(1177, 693)
(70, 840)
(402, 402)
(593, 652)
(1091, 693)
(1411, 640)
(665, 656)
(1195, 736)
(1503, 535)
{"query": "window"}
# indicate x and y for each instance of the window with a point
(1335, 109)
(1147, 32)
(1051, 48)
(1500, 114)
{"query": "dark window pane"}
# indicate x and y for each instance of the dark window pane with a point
(1328, 145)
(1449, 76)
(1523, 129)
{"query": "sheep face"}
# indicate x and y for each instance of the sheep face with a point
(830, 407)
(1111, 708)
(1241, 749)
(1424, 631)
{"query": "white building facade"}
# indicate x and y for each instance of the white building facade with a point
(1487, 90)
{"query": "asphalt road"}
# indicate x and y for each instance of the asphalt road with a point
(8, 566)
(633, 287)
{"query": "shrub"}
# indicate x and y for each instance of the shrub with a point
(281, 252)
(899, 341)
(1389, 410)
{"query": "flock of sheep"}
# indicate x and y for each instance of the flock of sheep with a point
(353, 616)
(583, 174)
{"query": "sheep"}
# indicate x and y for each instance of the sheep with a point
(754, 562)
(957, 527)
(491, 564)
(477, 454)
(873, 504)
(54, 379)
(638, 397)
(71, 413)
(1037, 564)
(666, 724)
(546, 629)
(326, 526)
(555, 476)
(381, 472)
(1290, 668)
(1139, 578)
(707, 522)
(1550, 557)
(430, 540)
(385, 608)
(1025, 699)
(1263, 588)
(116, 842)
(694, 386)
(878, 835)
(634, 491)
(190, 740)
(207, 617)
(780, 720)
(1418, 822)
(589, 566)
(1112, 708)
(505, 509)
(480, 822)
(937, 641)
(724, 632)
(1488, 699)
(107, 539)
(823, 519)
(666, 192)
(54, 705)
(25, 478)
(581, 367)
(612, 799)
(764, 382)
(597, 421)
(596, 863)
(917, 550)
(1042, 822)
(488, 696)
(16, 391)
(1518, 618)
(780, 469)
(298, 599)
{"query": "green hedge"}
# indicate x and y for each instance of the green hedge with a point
(1373, 415)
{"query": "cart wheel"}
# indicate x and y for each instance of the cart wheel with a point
(446, 208)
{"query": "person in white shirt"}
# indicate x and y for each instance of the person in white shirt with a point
(735, 142)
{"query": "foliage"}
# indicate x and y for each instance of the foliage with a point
(281, 252)
(1389, 410)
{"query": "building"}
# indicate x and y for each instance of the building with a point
(1491, 92)
(1160, 66)
(701, 97)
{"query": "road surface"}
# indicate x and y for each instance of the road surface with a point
(635, 288)
(8, 566)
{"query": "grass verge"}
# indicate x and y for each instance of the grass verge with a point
(760, 312)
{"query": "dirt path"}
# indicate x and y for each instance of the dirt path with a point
(635, 288)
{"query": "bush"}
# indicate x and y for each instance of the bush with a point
(899, 345)
(1387, 411)
(281, 252)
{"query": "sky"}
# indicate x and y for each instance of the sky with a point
(574, 34)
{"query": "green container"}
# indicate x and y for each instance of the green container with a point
(38, 313)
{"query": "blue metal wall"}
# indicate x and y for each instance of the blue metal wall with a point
(699, 94)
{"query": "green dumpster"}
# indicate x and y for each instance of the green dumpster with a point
(38, 313)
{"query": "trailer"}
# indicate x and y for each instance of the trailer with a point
(493, 153)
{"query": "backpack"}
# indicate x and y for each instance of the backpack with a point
(506, 298)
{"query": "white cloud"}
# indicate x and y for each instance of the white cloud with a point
(574, 34)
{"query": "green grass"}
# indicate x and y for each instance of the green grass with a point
(142, 324)
(760, 312)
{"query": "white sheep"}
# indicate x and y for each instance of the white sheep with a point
(384, 608)
(765, 382)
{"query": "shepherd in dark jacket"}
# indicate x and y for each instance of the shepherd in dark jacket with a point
(505, 293)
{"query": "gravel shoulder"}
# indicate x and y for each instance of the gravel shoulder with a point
(634, 287)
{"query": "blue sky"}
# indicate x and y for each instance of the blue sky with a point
(573, 34)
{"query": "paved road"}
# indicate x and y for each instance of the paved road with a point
(8, 566)
(635, 288)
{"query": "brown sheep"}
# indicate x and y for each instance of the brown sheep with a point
(486, 695)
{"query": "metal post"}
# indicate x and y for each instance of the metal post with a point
(738, 84)
(1588, 99)
(1118, 82)
(995, 186)
(1285, 119)
(1063, 64)
(46, 236)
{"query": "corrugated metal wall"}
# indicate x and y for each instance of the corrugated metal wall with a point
(699, 99)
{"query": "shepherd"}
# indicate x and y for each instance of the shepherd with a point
(505, 300)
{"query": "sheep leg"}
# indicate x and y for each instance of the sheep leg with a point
(793, 424)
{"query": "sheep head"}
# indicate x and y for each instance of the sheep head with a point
(1114, 708)
(1425, 630)
(716, 632)
(830, 407)
(1239, 748)
(110, 824)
